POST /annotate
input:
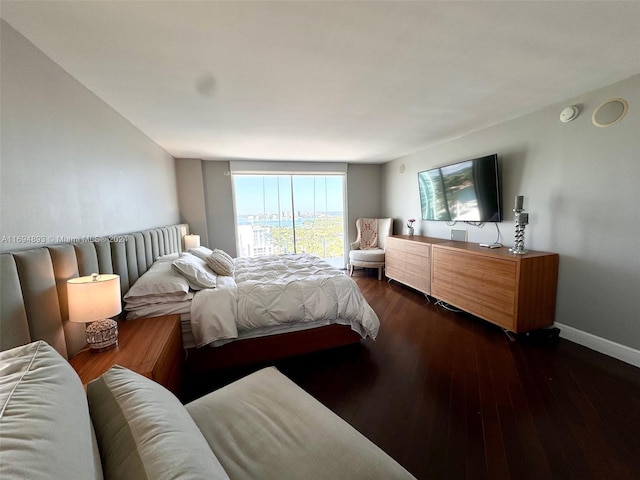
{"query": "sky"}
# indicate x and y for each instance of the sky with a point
(272, 193)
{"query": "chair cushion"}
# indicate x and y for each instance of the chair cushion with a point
(370, 255)
(144, 432)
(265, 427)
(44, 417)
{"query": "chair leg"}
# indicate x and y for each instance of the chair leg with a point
(351, 269)
(379, 273)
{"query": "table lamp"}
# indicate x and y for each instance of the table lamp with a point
(94, 299)
(191, 241)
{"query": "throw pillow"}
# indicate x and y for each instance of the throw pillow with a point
(220, 262)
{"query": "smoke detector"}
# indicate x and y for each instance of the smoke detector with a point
(568, 114)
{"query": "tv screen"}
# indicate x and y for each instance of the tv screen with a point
(462, 192)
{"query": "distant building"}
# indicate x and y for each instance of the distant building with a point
(255, 241)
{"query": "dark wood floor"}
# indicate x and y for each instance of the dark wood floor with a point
(449, 396)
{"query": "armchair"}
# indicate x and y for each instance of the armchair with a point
(369, 248)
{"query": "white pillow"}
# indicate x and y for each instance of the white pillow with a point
(201, 252)
(196, 271)
(221, 263)
(161, 279)
(168, 258)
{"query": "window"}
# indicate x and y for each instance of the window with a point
(278, 214)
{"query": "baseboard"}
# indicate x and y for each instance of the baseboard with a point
(602, 345)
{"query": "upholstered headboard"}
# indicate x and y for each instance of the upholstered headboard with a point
(33, 305)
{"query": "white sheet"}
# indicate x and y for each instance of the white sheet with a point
(277, 290)
(214, 312)
(159, 309)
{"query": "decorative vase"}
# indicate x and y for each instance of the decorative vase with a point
(410, 231)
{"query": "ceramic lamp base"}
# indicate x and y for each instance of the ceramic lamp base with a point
(102, 335)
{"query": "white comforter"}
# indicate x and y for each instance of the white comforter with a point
(276, 290)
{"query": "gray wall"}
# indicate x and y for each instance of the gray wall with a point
(581, 188)
(214, 208)
(363, 199)
(191, 197)
(71, 165)
(218, 196)
(205, 195)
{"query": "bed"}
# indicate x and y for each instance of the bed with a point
(228, 301)
(34, 304)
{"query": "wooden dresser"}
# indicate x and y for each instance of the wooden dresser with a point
(408, 261)
(517, 292)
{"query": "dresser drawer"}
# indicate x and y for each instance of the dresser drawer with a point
(420, 262)
(407, 246)
(408, 262)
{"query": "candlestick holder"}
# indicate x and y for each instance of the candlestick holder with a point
(522, 220)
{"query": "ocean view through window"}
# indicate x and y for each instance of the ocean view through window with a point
(278, 214)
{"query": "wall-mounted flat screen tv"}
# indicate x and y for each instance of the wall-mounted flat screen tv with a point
(462, 192)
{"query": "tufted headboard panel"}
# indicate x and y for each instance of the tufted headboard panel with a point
(33, 303)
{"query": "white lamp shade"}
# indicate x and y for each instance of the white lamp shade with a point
(93, 298)
(191, 241)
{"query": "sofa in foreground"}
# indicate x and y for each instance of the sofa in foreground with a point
(129, 427)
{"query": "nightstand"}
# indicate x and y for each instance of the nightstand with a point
(149, 346)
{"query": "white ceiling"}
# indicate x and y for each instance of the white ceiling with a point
(329, 80)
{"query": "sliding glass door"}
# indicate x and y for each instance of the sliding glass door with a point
(278, 214)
